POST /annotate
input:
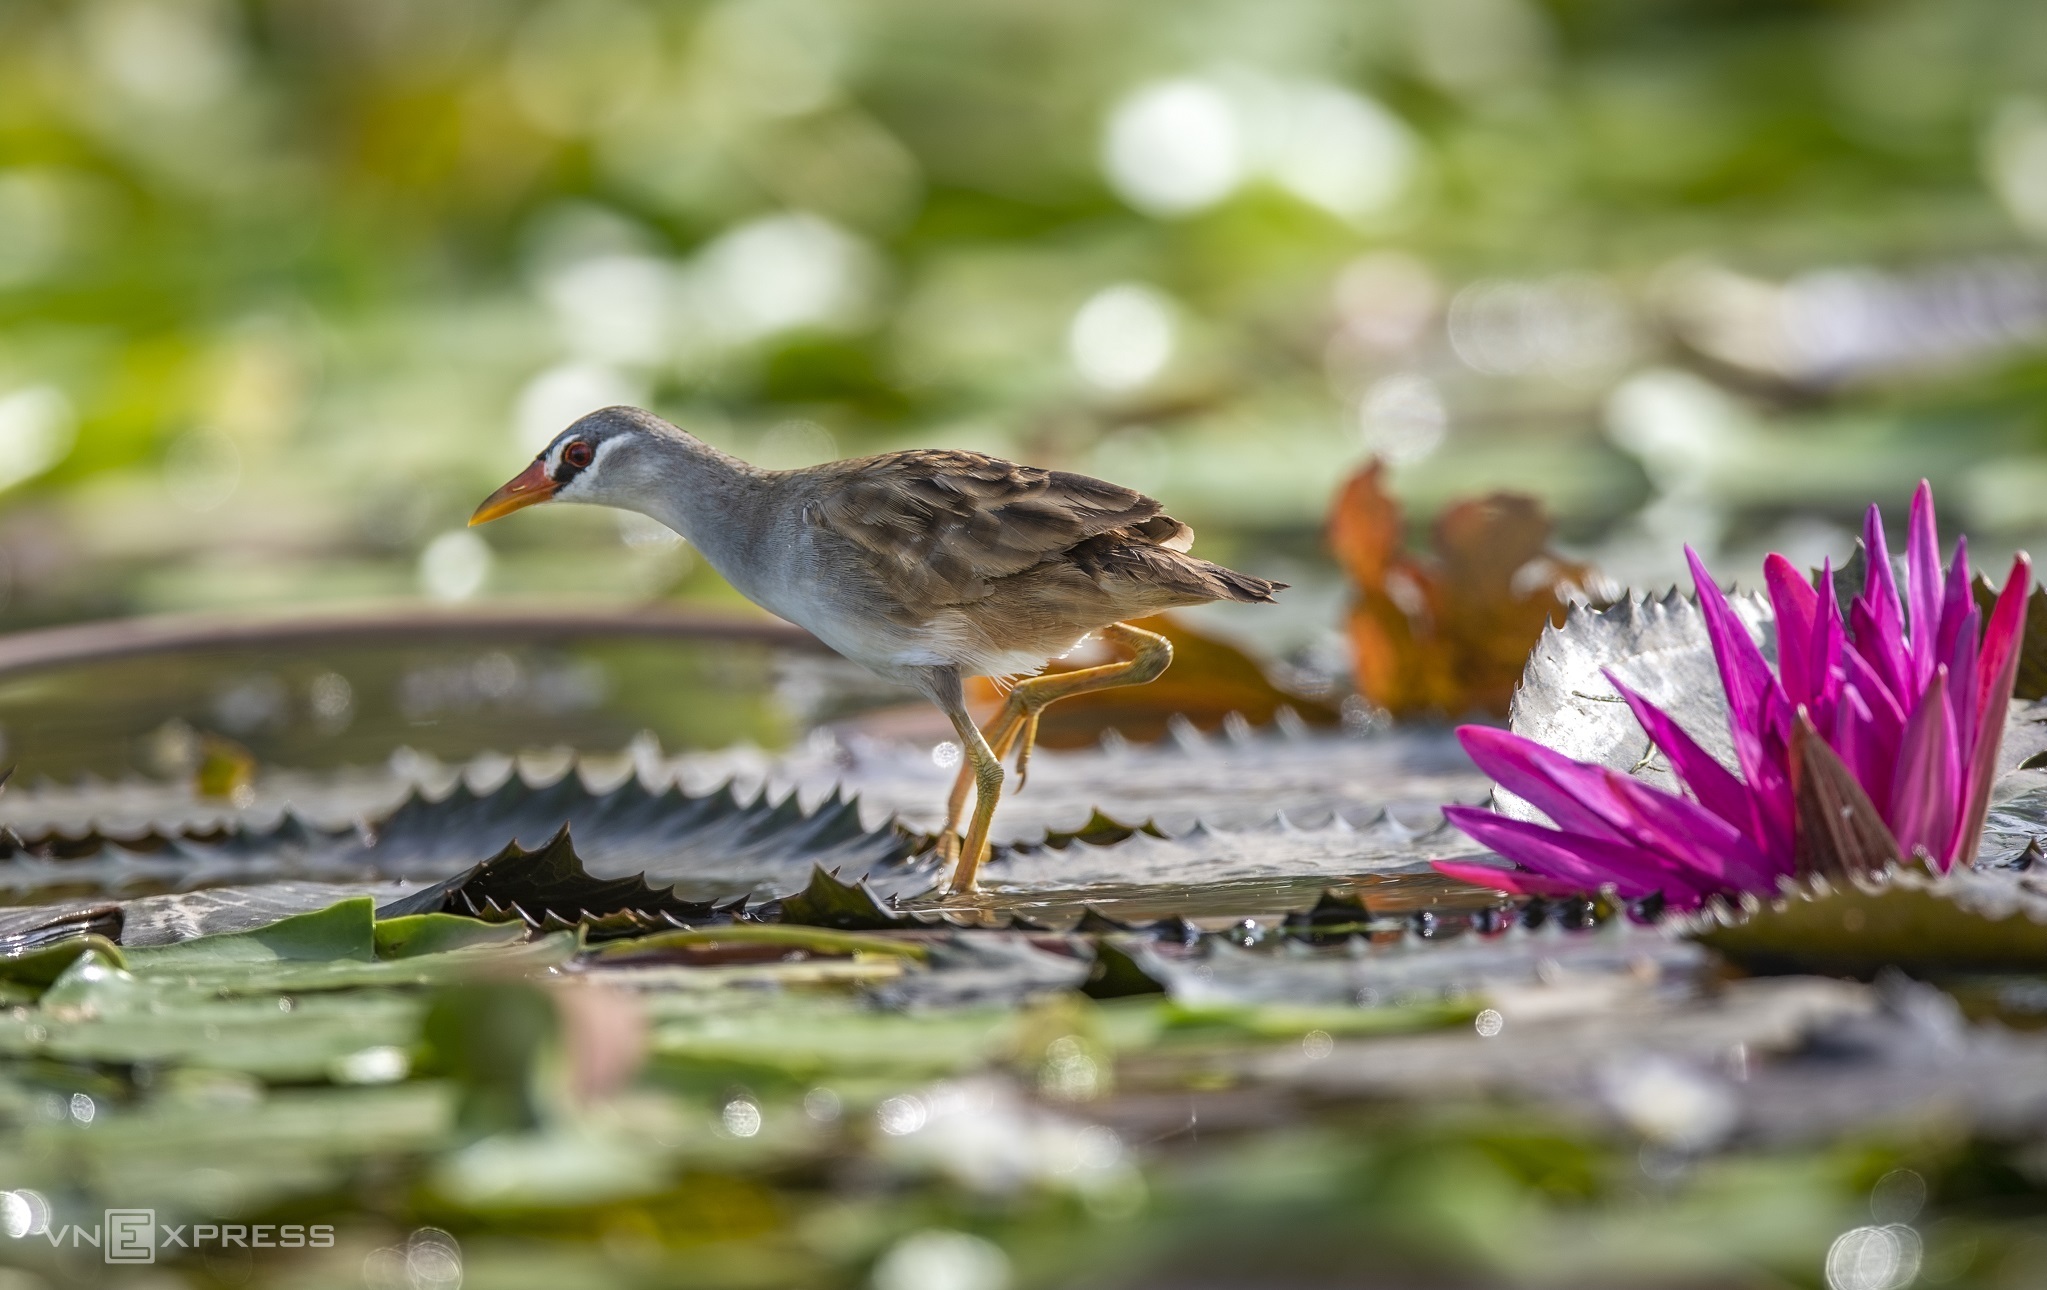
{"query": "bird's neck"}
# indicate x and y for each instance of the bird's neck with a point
(712, 498)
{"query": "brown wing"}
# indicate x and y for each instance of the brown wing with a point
(941, 523)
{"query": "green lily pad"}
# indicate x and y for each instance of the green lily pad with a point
(344, 931)
(828, 902)
(281, 1039)
(43, 965)
(549, 887)
(1966, 922)
(411, 935)
(96, 983)
(814, 940)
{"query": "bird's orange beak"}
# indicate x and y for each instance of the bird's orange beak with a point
(529, 486)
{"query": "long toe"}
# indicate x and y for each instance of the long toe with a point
(1029, 741)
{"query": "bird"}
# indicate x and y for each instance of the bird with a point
(927, 566)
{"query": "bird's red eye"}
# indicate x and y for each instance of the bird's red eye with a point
(579, 454)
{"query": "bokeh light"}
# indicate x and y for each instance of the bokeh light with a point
(942, 1260)
(1122, 337)
(1174, 147)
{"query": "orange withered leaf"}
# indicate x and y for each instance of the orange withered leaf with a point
(1446, 634)
(1209, 679)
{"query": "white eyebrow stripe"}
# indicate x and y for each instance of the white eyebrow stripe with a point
(603, 446)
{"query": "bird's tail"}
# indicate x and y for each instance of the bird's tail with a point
(1231, 585)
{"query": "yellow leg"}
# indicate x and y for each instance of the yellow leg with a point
(1017, 724)
(1150, 654)
(955, 807)
(987, 772)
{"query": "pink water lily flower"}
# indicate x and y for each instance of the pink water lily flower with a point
(1896, 714)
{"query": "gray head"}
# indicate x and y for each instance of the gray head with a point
(620, 456)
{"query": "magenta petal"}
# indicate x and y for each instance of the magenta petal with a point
(1867, 729)
(1956, 602)
(1923, 583)
(1998, 665)
(1875, 638)
(1876, 615)
(1960, 628)
(1796, 607)
(1586, 863)
(1855, 742)
(1549, 852)
(1997, 671)
(1517, 882)
(1699, 844)
(1752, 693)
(1549, 781)
(1823, 662)
(1882, 700)
(1927, 780)
(1602, 805)
(1713, 784)
(1961, 690)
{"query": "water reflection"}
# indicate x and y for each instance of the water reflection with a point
(353, 704)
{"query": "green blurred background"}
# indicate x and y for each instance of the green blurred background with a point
(287, 285)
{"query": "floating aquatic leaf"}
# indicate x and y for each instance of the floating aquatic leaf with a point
(1093, 922)
(2014, 828)
(24, 931)
(753, 940)
(490, 1038)
(44, 963)
(811, 1036)
(1415, 969)
(409, 935)
(1205, 856)
(828, 902)
(1968, 921)
(546, 888)
(1656, 646)
(248, 1033)
(1100, 831)
(714, 846)
(160, 977)
(1338, 914)
(1117, 974)
(1571, 1039)
(344, 931)
(985, 968)
(163, 920)
(1243, 780)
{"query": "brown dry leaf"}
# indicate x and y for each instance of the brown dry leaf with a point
(1450, 634)
(1209, 679)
